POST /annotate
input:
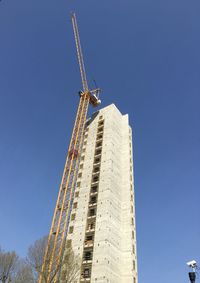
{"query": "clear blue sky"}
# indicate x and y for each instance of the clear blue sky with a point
(145, 55)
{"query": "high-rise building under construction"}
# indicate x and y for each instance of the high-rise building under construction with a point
(102, 228)
(94, 216)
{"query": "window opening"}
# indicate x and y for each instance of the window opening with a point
(95, 179)
(94, 189)
(92, 212)
(73, 216)
(75, 205)
(93, 200)
(71, 229)
(98, 151)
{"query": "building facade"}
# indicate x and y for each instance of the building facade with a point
(102, 229)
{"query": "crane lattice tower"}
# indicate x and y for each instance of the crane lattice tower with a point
(59, 228)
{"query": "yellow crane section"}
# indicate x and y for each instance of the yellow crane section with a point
(59, 228)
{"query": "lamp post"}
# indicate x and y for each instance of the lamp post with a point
(3, 278)
(192, 275)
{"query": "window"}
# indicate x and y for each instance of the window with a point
(90, 226)
(75, 205)
(95, 179)
(98, 151)
(100, 117)
(99, 136)
(133, 235)
(97, 160)
(100, 129)
(89, 238)
(96, 170)
(78, 184)
(134, 280)
(93, 189)
(93, 200)
(100, 123)
(71, 229)
(86, 273)
(88, 255)
(81, 166)
(73, 216)
(76, 194)
(99, 144)
(133, 249)
(133, 265)
(69, 243)
(92, 212)
(79, 175)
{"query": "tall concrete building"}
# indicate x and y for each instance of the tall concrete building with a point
(102, 228)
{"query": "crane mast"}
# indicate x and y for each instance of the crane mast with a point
(53, 257)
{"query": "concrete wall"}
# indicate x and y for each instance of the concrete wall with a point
(114, 250)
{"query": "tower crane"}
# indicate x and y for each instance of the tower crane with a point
(53, 257)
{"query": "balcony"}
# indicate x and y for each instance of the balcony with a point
(83, 279)
(97, 152)
(96, 171)
(100, 130)
(98, 144)
(93, 193)
(97, 160)
(89, 230)
(92, 213)
(89, 240)
(94, 189)
(93, 201)
(86, 273)
(98, 147)
(101, 123)
(95, 178)
(87, 256)
(88, 243)
(99, 137)
(90, 226)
